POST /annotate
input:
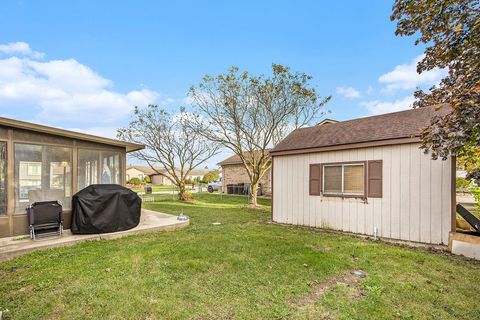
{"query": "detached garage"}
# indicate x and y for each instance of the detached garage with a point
(366, 176)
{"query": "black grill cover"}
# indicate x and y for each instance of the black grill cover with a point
(102, 208)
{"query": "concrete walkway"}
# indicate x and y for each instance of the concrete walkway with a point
(150, 221)
(465, 198)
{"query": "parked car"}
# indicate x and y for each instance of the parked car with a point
(215, 185)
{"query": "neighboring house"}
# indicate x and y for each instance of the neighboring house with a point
(198, 174)
(134, 172)
(234, 172)
(44, 163)
(158, 175)
(461, 173)
(326, 121)
(366, 176)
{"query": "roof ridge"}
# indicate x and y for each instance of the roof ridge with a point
(362, 118)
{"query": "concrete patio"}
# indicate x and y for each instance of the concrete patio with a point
(150, 221)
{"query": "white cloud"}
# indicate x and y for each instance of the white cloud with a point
(21, 48)
(188, 100)
(64, 91)
(169, 101)
(405, 76)
(107, 132)
(369, 90)
(348, 92)
(379, 107)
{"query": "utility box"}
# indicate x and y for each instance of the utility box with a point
(148, 190)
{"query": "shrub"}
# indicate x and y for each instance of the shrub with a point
(475, 190)
(462, 184)
(210, 176)
(147, 179)
(135, 181)
(188, 181)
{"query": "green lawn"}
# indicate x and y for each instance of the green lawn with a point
(244, 268)
(155, 188)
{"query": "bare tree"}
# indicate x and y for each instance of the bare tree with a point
(169, 143)
(250, 114)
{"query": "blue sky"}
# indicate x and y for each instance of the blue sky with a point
(83, 65)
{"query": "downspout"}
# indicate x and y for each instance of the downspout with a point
(271, 182)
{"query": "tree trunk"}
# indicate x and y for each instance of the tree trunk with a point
(182, 192)
(252, 197)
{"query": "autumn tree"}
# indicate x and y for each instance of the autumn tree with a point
(471, 164)
(168, 143)
(249, 114)
(450, 31)
(210, 176)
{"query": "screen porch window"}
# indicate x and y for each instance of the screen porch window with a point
(42, 173)
(95, 166)
(344, 179)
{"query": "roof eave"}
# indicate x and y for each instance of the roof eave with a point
(364, 144)
(129, 146)
(229, 163)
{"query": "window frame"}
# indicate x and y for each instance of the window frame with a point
(342, 194)
(17, 176)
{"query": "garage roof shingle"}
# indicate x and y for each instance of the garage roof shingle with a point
(397, 125)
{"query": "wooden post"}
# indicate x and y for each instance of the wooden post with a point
(453, 186)
(10, 180)
(74, 168)
(123, 167)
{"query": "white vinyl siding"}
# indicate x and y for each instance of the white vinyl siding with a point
(415, 202)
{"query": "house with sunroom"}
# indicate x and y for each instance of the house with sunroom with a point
(366, 176)
(43, 163)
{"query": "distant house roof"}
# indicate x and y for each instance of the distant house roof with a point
(148, 170)
(382, 129)
(199, 172)
(69, 134)
(326, 121)
(160, 170)
(235, 159)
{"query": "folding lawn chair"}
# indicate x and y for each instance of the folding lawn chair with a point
(45, 219)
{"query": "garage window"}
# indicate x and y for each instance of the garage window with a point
(344, 179)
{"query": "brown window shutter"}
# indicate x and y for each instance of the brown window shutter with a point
(320, 182)
(375, 178)
(315, 180)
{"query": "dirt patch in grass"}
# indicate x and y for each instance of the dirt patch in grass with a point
(319, 248)
(319, 289)
(26, 289)
(264, 222)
